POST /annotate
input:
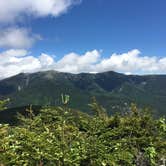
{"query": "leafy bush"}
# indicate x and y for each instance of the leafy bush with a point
(64, 137)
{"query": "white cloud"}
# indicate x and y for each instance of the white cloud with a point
(46, 60)
(13, 62)
(78, 63)
(132, 62)
(17, 38)
(13, 53)
(16, 61)
(15, 10)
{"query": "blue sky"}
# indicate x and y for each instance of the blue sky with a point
(110, 25)
(127, 36)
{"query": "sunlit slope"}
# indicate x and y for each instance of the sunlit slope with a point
(113, 90)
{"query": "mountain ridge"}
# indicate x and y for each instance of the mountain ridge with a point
(113, 90)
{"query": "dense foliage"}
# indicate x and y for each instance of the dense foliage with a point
(64, 137)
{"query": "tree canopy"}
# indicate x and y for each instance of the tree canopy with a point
(65, 137)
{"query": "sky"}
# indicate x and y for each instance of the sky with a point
(126, 36)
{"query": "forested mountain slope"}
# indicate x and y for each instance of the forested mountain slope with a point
(113, 90)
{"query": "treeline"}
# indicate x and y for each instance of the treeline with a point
(60, 136)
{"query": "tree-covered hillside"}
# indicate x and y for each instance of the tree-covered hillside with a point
(113, 90)
(63, 137)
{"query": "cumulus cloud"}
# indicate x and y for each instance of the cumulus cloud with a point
(17, 38)
(15, 61)
(131, 62)
(14, 10)
(46, 61)
(75, 63)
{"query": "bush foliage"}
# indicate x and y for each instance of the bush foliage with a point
(60, 136)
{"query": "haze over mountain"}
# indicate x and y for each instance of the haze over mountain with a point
(113, 90)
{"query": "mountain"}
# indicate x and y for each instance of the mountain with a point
(113, 90)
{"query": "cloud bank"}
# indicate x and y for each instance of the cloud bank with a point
(15, 61)
(15, 10)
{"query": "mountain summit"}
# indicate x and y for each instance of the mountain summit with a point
(113, 90)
